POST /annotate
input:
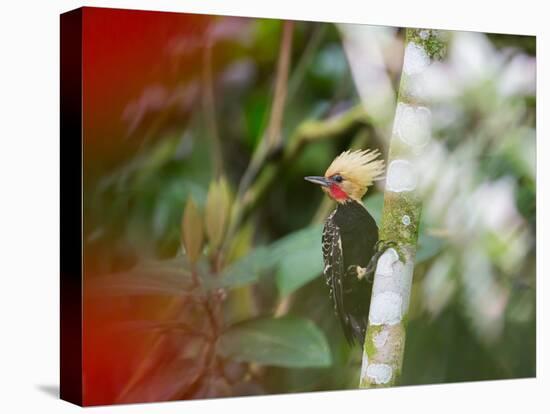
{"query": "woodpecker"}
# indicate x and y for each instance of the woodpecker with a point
(350, 238)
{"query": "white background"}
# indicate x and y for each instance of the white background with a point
(29, 205)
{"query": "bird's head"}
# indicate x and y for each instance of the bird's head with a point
(350, 174)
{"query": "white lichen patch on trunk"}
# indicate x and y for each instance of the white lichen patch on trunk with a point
(379, 373)
(385, 337)
(386, 309)
(384, 267)
(391, 289)
(401, 176)
(416, 59)
(412, 124)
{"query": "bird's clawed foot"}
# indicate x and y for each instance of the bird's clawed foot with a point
(367, 273)
(383, 245)
(357, 271)
(361, 273)
(380, 247)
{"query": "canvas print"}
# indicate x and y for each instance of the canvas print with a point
(273, 206)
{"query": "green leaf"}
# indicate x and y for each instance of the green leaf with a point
(161, 278)
(298, 269)
(192, 231)
(246, 270)
(299, 259)
(216, 212)
(285, 342)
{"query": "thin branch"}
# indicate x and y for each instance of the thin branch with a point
(306, 57)
(273, 137)
(314, 130)
(274, 128)
(209, 107)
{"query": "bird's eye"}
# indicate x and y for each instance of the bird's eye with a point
(338, 178)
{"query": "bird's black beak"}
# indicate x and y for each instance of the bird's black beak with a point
(322, 181)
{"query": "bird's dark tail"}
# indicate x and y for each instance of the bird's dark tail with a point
(356, 330)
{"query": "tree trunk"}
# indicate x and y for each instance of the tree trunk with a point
(385, 338)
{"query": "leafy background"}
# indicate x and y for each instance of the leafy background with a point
(202, 240)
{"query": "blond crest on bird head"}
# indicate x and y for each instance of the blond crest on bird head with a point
(358, 170)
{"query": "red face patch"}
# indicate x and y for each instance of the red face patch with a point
(337, 193)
